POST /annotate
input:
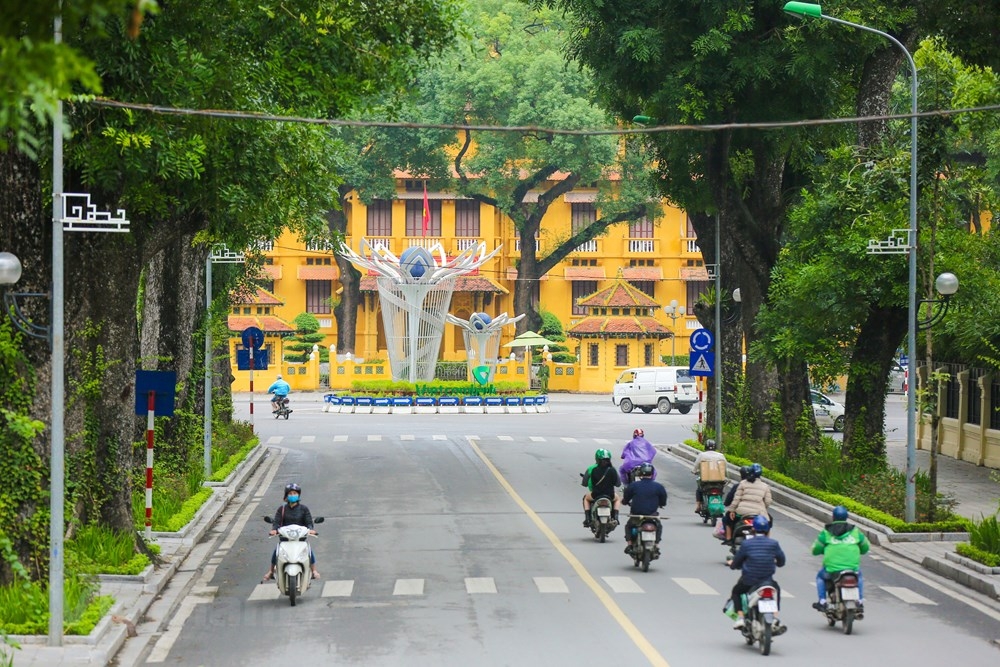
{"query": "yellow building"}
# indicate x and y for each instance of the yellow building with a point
(661, 261)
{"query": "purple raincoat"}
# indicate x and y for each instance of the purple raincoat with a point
(636, 452)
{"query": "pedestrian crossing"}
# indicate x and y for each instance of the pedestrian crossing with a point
(434, 437)
(545, 585)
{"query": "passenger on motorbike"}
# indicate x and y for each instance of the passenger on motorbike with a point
(637, 451)
(601, 479)
(280, 389)
(645, 497)
(752, 498)
(842, 545)
(292, 513)
(757, 560)
(710, 454)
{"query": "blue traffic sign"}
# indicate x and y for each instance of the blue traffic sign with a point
(702, 340)
(253, 338)
(702, 363)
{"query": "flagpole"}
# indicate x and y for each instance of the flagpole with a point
(426, 218)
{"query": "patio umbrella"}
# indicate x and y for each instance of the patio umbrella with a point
(530, 339)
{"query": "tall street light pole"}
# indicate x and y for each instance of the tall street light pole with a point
(815, 11)
(674, 312)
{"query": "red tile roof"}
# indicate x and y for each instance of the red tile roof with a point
(694, 273)
(462, 284)
(266, 323)
(272, 271)
(642, 273)
(619, 294)
(318, 273)
(260, 297)
(619, 326)
(584, 273)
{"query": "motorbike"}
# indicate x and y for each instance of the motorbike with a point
(760, 606)
(601, 521)
(643, 540)
(742, 529)
(713, 504)
(283, 409)
(843, 596)
(630, 476)
(292, 573)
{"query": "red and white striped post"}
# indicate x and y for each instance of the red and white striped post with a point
(150, 416)
(251, 388)
(701, 412)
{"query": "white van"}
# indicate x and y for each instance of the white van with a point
(660, 387)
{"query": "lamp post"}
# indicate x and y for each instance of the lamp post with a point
(674, 312)
(810, 10)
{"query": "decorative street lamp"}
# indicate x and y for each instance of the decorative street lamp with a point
(895, 246)
(674, 312)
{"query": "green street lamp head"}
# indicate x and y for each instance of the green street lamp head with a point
(642, 120)
(804, 9)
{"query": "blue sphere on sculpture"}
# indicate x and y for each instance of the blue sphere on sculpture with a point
(480, 321)
(416, 261)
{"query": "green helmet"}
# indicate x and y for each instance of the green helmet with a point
(602, 454)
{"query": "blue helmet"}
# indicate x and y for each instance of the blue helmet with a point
(754, 472)
(840, 513)
(761, 524)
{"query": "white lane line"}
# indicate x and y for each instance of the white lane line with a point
(964, 599)
(472, 437)
(551, 585)
(309, 438)
(602, 441)
(906, 595)
(340, 438)
(505, 438)
(374, 438)
(440, 437)
(570, 440)
(407, 437)
(268, 591)
(408, 587)
(537, 438)
(695, 586)
(480, 585)
(622, 585)
(338, 588)
(275, 439)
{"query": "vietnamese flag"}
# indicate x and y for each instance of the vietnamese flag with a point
(427, 211)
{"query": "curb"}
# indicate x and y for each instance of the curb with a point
(986, 584)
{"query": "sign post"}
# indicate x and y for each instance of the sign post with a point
(253, 340)
(154, 393)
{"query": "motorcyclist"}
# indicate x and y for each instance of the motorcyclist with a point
(645, 497)
(842, 545)
(637, 451)
(757, 559)
(601, 479)
(292, 513)
(752, 498)
(280, 389)
(710, 454)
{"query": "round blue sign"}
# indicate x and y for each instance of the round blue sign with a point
(253, 338)
(702, 340)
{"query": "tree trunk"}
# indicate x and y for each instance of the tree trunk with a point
(527, 280)
(346, 310)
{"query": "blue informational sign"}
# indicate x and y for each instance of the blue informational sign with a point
(904, 360)
(702, 340)
(259, 360)
(162, 384)
(253, 337)
(702, 363)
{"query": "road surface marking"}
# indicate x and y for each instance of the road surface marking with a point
(640, 641)
(338, 589)
(537, 438)
(978, 606)
(267, 591)
(570, 440)
(480, 585)
(551, 585)
(472, 437)
(275, 439)
(374, 438)
(623, 585)
(602, 441)
(409, 587)
(696, 586)
(340, 438)
(505, 438)
(906, 595)
(440, 437)
(309, 438)
(407, 437)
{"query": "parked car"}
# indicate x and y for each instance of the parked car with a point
(662, 387)
(897, 379)
(829, 413)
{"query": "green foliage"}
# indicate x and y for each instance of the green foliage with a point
(300, 346)
(985, 557)
(222, 472)
(441, 388)
(98, 550)
(985, 535)
(24, 607)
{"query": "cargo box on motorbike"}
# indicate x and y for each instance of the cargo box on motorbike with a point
(713, 471)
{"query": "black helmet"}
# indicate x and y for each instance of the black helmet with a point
(645, 470)
(744, 472)
(292, 487)
(710, 445)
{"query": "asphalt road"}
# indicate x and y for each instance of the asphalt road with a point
(456, 540)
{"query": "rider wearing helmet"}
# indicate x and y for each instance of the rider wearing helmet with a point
(280, 389)
(752, 497)
(710, 454)
(757, 560)
(637, 451)
(292, 513)
(601, 479)
(842, 545)
(645, 496)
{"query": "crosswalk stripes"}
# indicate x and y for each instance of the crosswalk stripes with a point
(374, 437)
(440, 437)
(570, 440)
(407, 437)
(537, 438)
(408, 587)
(275, 439)
(906, 595)
(340, 438)
(505, 438)
(602, 441)
(308, 438)
(623, 585)
(551, 585)
(338, 589)
(480, 585)
(695, 586)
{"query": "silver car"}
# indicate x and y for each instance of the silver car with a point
(829, 413)
(897, 379)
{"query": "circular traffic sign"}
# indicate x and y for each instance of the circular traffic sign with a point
(702, 340)
(253, 338)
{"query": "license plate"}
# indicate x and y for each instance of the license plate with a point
(649, 536)
(603, 511)
(767, 606)
(849, 594)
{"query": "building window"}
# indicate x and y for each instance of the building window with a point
(621, 355)
(584, 215)
(695, 288)
(647, 287)
(415, 217)
(380, 218)
(647, 354)
(467, 218)
(581, 289)
(691, 234)
(640, 229)
(593, 354)
(267, 285)
(318, 296)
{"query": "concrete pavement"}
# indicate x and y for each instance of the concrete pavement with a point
(970, 485)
